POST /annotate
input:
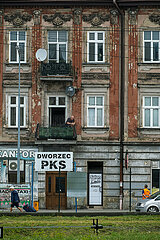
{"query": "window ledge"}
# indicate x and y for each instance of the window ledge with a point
(96, 63)
(149, 63)
(150, 130)
(17, 64)
(95, 129)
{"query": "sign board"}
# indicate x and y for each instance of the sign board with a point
(76, 184)
(95, 189)
(24, 192)
(6, 154)
(52, 161)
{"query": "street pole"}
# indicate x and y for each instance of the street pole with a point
(18, 153)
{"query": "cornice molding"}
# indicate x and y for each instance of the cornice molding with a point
(57, 19)
(18, 19)
(96, 19)
(155, 18)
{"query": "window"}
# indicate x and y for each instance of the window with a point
(17, 39)
(57, 111)
(151, 112)
(12, 171)
(95, 108)
(96, 51)
(13, 111)
(57, 45)
(155, 180)
(151, 46)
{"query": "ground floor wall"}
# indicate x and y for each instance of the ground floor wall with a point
(101, 163)
(142, 159)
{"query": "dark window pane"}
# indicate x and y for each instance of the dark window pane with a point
(155, 35)
(155, 178)
(91, 51)
(21, 116)
(56, 116)
(91, 36)
(61, 100)
(100, 52)
(155, 51)
(13, 116)
(62, 53)
(60, 184)
(13, 52)
(52, 36)
(52, 52)
(100, 36)
(21, 45)
(12, 177)
(147, 53)
(13, 36)
(49, 184)
(13, 100)
(62, 36)
(22, 36)
(21, 100)
(147, 35)
(52, 101)
(147, 118)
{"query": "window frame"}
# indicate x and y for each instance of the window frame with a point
(57, 43)
(18, 42)
(56, 106)
(95, 107)
(96, 41)
(24, 105)
(151, 112)
(151, 41)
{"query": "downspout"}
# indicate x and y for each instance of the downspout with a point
(121, 102)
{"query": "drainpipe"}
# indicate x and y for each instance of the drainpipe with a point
(121, 102)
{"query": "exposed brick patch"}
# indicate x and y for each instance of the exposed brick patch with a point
(132, 82)
(114, 82)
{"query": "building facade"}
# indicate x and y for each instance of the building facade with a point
(102, 66)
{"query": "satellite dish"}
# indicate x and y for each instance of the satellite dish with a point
(70, 91)
(41, 54)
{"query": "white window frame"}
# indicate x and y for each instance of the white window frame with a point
(96, 41)
(18, 42)
(95, 107)
(57, 43)
(24, 105)
(151, 41)
(57, 105)
(151, 108)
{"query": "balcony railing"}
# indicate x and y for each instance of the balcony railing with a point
(66, 133)
(53, 68)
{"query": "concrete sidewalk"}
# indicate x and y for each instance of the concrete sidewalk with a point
(72, 212)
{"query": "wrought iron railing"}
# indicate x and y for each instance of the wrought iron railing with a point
(68, 133)
(53, 68)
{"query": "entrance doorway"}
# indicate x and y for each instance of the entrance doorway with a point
(155, 180)
(95, 183)
(54, 183)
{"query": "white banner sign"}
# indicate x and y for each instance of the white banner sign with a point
(52, 161)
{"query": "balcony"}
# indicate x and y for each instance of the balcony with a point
(53, 69)
(45, 133)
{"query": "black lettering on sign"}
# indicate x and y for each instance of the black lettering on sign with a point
(38, 155)
(62, 164)
(68, 155)
(44, 155)
(53, 165)
(44, 164)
